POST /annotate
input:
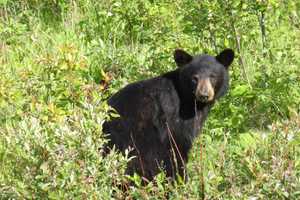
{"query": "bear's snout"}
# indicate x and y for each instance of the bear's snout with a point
(204, 91)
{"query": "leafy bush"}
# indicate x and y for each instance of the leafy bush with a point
(60, 60)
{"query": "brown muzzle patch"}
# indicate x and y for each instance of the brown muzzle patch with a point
(205, 92)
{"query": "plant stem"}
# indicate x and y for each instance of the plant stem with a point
(238, 45)
(263, 31)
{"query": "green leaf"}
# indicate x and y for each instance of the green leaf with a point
(240, 90)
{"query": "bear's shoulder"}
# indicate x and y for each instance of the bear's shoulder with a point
(152, 92)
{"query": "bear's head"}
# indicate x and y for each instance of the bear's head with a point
(204, 77)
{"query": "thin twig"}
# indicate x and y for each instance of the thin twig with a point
(139, 156)
(238, 45)
(174, 142)
(201, 155)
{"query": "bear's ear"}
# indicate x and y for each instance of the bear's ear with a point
(226, 57)
(182, 58)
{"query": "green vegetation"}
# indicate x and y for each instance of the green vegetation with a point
(60, 59)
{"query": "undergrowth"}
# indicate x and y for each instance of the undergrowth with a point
(60, 61)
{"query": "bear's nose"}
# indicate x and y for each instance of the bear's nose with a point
(203, 97)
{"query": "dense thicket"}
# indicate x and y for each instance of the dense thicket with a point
(60, 59)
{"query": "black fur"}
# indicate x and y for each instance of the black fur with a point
(160, 117)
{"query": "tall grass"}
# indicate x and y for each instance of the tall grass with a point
(60, 60)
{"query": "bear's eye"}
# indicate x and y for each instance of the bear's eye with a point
(195, 80)
(213, 78)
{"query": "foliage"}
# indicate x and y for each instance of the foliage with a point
(61, 59)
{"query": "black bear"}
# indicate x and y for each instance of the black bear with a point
(160, 117)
